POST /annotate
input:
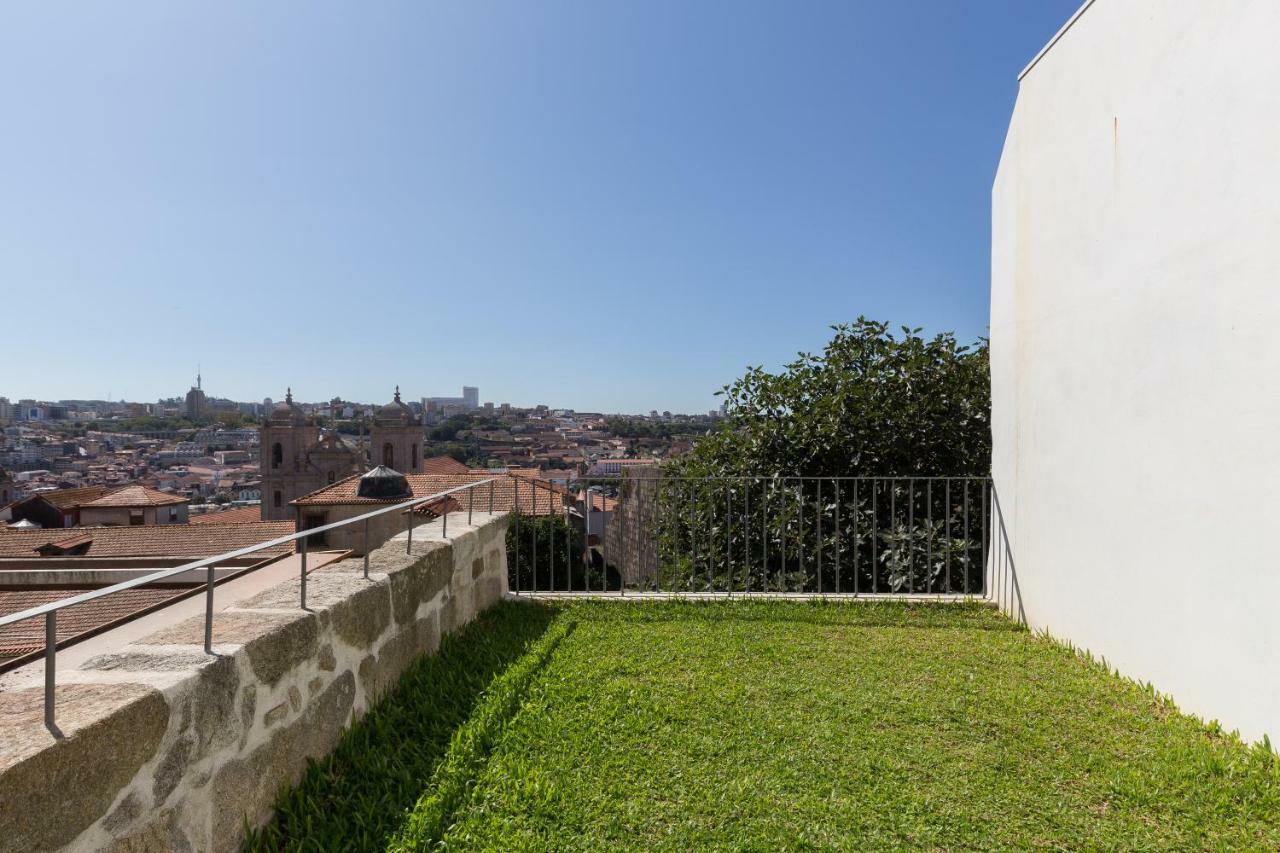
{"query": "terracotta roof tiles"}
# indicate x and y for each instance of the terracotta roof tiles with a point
(151, 540)
(131, 496)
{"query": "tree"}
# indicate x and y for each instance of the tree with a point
(871, 404)
(758, 504)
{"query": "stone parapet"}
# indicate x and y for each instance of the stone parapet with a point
(162, 747)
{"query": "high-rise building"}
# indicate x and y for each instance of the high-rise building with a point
(471, 397)
(196, 402)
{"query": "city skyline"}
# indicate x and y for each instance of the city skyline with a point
(499, 193)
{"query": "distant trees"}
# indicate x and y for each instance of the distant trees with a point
(639, 428)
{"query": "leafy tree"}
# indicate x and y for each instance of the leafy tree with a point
(756, 504)
(871, 404)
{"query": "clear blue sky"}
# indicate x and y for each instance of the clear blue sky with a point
(589, 204)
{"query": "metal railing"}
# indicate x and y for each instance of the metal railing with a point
(925, 536)
(50, 610)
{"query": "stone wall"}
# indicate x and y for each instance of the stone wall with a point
(165, 748)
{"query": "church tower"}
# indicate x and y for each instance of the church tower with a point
(285, 440)
(395, 439)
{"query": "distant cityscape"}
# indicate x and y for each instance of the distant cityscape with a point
(212, 453)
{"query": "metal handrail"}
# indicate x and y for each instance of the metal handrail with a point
(50, 610)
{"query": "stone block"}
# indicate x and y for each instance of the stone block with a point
(246, 787)
(275, 641)
(420, 582)
(109, 732)
(379, 673)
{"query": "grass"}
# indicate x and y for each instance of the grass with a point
(763, 726)
(358, 797)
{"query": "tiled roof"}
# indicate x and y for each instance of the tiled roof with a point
(131, 496)
(228, 516)
(28, 635)
(152, 540)
(538, 496)
(443, 465)
(68, 498)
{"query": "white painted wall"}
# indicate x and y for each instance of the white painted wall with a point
(1135, 334)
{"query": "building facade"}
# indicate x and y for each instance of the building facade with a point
(295, 459)
(395, 437)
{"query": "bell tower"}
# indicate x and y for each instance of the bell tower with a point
(284, 441)
(395, 439)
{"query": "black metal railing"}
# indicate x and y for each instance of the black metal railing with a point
(816, 535)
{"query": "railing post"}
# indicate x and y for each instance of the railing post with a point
(408, 547)
(50, 663)
(490, 497)
(366, 547)
(444, 524)
(515, 488)
(471, 499)
(303, 575)
(208, 612)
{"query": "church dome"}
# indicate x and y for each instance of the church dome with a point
(382, 483)
(285, 413)
(395, 413)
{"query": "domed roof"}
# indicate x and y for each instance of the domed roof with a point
(394, 413)
(285, 413)
(382, 483)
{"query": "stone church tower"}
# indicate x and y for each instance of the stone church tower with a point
(395, 439)
(294, 459)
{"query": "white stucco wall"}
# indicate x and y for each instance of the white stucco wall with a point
(1135, 334)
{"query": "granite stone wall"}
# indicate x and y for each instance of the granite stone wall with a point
(165, 748)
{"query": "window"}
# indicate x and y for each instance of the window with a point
(135, 517)
(413, 457)
(331, 477)
(275, 498)
(388, 455)
(173, 514)
(277, 455)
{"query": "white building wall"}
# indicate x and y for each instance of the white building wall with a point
(1135, 334)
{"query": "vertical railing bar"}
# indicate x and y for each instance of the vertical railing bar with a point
(208, 611)
(911, 534)
(821, 511)
(408, 545)
(50, 665)
(551, 562)
(857, 511)
(515, 489)
(444, 522)
(893, 511)
(986, 498)
(947, 537)
(302, 577)
(533, 517)
(470, 503)
(782, 533)
(838, 537)
(928, 566)
(875, 533)
(746, 536)
(491, 496)
(728, 543)
(764, 534)
(968, 549)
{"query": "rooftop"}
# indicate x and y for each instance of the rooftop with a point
(133, 496)
(162, 540)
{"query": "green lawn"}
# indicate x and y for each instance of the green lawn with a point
(763, 726)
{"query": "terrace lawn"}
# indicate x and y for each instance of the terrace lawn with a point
(782, 725)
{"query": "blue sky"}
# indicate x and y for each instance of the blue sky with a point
(602, 205)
